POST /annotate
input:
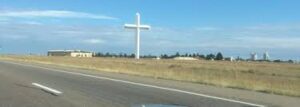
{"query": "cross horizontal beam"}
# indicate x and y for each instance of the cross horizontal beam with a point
(134, 26)
(137, 27)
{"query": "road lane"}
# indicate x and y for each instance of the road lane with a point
(18, 92)
(85, 91)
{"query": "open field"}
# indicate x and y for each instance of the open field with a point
(283, 79)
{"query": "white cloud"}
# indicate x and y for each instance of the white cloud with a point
(271, 42)
(3, 19)
(53, 14)
(93, 41)
(207, 28)
(13, 37)
(31, 23)
(266, 27)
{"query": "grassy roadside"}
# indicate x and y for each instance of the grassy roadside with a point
(282, 79)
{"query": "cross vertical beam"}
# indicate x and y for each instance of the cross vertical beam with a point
(138, 27)
(138, 31)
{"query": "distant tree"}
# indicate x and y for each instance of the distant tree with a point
(99, 54)
(164, 56)
(177, 54)
(278, 60)
(148, 56)
(161, 56)
(186, 55)
(210, 56)
(151, 56)
(120, 55)
(194, 55)
(290, 61)
(107, 55)
(113, 55)
(132, 55)
(219, 56)
(201, 56)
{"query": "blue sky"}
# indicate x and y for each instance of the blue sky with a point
(234, 27)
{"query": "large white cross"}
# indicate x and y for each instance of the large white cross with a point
(138, 27)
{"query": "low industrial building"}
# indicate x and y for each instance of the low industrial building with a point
(231, 59)
(185, 58)
(266, 56)
(70, 53)
(253, 56)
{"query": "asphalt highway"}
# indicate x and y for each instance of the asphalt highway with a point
(88, 90)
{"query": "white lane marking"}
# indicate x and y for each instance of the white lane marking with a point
(53, 91)
(145, 85)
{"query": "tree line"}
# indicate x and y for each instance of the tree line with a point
(218, 56)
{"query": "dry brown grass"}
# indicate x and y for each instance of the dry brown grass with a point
(283, 79)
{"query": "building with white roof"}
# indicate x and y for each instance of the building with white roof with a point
(70, 53)
(253, 56)
(266, 56)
